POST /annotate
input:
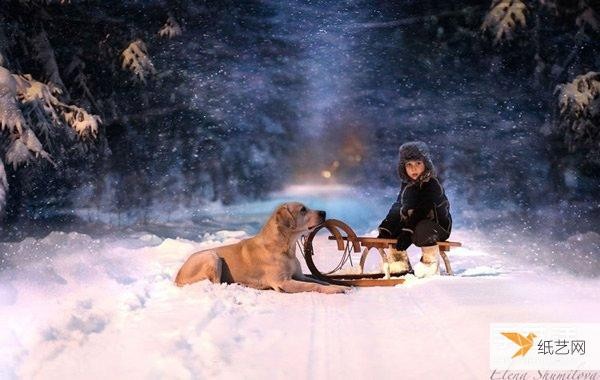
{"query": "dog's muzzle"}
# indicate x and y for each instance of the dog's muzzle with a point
(322, 217)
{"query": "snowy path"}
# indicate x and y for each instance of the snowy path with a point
(122, 317)
(76, 307)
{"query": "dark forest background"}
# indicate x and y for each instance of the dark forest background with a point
(241, 98)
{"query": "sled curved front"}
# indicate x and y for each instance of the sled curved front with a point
(346, 241)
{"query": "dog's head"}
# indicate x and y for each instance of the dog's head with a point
(297, 218)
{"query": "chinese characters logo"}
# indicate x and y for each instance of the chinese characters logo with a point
(545, 347)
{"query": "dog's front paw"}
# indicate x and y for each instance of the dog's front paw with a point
(422, 270)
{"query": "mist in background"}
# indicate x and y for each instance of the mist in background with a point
(251, 98)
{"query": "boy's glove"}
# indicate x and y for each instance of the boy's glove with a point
(404, 240)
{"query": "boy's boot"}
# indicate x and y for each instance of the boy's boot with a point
(397, 263)
(428, 266)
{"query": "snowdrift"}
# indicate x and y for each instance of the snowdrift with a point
(76, 307)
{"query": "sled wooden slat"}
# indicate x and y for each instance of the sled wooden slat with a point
(368, 282)
(373, 242)
(355, 276)
(348, 242)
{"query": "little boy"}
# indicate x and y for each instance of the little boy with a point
(420, 215)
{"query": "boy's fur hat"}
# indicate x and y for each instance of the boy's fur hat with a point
(415, 150)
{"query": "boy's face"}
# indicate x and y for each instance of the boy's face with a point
(414, 168)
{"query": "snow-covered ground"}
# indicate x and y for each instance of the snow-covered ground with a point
(73, 306)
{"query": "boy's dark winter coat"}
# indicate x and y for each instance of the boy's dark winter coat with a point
(417, 200)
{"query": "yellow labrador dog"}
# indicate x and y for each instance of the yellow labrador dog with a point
(265, 261)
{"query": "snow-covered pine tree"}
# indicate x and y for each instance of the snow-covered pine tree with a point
(557, 45)
(579, 110)
(23, 142)
(25, 104)
(43, 106)
(503, 18)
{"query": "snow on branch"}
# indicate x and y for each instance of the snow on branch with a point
(82, 122)
(579, 103)
(503, 18)
(575, 97)
(170, 29)
(136, 59)
(10, 114)
(40, 95)
(18, 153)
(25, 101)
(21, 149)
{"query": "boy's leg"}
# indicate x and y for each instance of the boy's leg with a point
(429, 264)
(427, 234)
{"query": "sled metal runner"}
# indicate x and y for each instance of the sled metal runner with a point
(347, 242)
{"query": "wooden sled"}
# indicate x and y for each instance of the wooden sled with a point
(347, 243)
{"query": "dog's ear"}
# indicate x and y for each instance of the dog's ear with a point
(284, 217)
